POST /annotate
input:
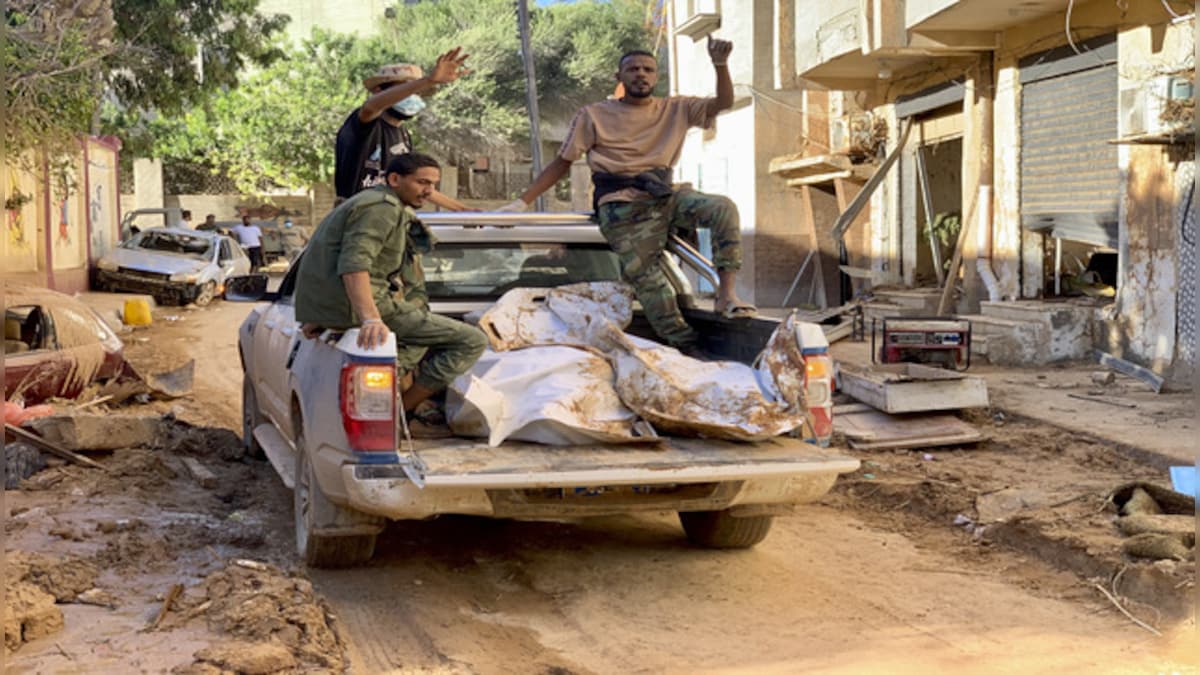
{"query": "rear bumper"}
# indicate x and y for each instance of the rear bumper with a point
(385, 491)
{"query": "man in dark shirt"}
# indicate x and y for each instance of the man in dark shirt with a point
(374, 133)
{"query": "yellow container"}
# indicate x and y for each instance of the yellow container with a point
(137, 312)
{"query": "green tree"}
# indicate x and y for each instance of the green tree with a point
(278, 127)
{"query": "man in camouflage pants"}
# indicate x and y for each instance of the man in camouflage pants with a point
(631, 143)
(372, 244)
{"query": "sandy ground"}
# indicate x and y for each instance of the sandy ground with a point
(858, 583)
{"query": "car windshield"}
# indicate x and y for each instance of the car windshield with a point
(473, 271)
(173, 243)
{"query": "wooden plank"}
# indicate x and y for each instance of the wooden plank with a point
(908, 387)
(875, 430)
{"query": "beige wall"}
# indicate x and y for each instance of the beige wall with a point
(51, 239)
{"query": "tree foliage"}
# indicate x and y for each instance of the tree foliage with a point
(53, 62)
(163, 41)
(64, 59)
(278, 127)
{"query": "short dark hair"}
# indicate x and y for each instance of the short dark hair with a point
(186, 213)
(634, 52)
(409, 162)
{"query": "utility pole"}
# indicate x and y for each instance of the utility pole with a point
(531, 95)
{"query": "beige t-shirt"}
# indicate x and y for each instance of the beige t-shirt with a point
(631, 139)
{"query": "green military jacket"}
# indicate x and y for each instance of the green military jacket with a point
(372, 232)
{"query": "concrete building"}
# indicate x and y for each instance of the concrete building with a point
(363, 19)
(1065, 156)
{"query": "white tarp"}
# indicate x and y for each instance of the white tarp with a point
(534, 387)
(525, 317)
(551, 395)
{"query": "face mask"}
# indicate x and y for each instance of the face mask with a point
(409, 107)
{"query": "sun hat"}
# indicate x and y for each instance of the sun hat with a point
(396, 72)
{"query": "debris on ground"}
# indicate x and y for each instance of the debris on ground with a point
(98, 432)
(21, 460)
(1159, 523)
(270, 612)
(251, 658)
(35, 584)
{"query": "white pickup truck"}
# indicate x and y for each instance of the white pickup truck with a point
(323, 413)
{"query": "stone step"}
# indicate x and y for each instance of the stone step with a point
(1049, 313)
(1009, 343)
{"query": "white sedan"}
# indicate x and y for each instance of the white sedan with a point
(173, 265)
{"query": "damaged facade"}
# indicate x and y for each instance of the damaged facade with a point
(1063, 161)
(60, 217)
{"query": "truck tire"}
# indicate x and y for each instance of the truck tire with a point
(720, 529)
(312, 507)
(251, 418)
(21, 461)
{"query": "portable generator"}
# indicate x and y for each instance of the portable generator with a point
(936, 341)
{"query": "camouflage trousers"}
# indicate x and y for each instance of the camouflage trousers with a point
(437, 347)
(638, 231)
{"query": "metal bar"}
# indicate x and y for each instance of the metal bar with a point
(803, 266)
(702, 265)
(860, 200)
(927, 199)
(1057, 266)
(531, 95)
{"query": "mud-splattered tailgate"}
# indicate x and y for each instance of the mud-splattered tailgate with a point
(529, 480)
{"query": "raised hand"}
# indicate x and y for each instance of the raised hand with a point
(449, 67)
(718, 50)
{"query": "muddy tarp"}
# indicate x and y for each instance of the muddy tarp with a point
(563, 372)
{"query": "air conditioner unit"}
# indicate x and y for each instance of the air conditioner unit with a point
(1145, 109)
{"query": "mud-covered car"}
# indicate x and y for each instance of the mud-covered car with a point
(176, 266)
(54, 345)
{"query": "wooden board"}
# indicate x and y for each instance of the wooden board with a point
(875, 430)
(911, 387)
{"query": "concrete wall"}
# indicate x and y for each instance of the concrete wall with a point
(52, 239)
(825, 29)
(1144, 328)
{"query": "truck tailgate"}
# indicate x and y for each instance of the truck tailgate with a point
(467, 463)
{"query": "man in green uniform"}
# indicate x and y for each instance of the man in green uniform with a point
(372, 242)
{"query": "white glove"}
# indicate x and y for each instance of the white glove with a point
(517, 205)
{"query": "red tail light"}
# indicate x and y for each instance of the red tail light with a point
(818, 389)
(368, 400)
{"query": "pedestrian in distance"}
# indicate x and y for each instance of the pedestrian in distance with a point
(249, 236)
(362, 269)
(185, 220)
(631, 144)
(209, 224)
(375, 132)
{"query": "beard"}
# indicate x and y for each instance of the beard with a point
(643, 93)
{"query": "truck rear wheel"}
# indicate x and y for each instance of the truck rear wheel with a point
(251, 418)
(312, 508)
(720, 529)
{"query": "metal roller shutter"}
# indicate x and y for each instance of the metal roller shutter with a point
(1070, 180)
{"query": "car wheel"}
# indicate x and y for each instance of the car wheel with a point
(312, 507)
(251, 418)
(720, 529)
(208, 291)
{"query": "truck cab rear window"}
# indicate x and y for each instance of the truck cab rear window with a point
(461, 271)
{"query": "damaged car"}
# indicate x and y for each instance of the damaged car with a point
(55, 346)
(175, 266)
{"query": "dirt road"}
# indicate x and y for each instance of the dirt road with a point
(843, 586)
